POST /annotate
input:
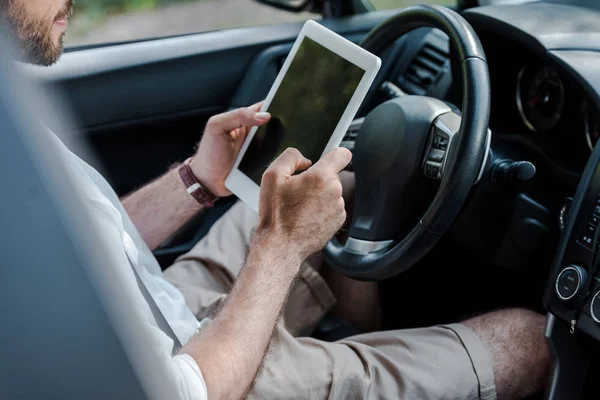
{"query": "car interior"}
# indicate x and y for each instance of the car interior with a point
(510, 221)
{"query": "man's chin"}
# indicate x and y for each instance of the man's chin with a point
(43, 56)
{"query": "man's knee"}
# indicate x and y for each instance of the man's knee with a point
(516, 345)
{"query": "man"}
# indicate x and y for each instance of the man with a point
(241, 299)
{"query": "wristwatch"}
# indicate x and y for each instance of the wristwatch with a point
(198, 192)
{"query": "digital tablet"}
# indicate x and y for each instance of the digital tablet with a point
(312, 102)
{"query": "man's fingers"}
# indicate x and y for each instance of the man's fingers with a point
(290, 161)
(256, 106)
(337, 159)
(242, 117)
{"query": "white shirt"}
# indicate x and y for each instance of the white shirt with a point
(119, 231)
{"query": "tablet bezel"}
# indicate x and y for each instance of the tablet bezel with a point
(238, 182)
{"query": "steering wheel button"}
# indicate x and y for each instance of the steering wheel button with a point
(440, 143)
(436, 155)
(432, 170)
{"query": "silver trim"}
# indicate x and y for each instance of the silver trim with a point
(488, 144)
(578, 284)
(365, 246)
(588, 139)
(562, 215)
(518, 100)
(586, 125)
(592, 308)
(550, 319)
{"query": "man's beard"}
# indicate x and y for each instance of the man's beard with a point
(32, 38)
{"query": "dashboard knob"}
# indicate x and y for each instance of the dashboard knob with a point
(595, 308)
(570, 281)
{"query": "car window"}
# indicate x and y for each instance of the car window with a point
(105, 21)
(391, 4)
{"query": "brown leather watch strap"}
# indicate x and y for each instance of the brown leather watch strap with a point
(198, 192)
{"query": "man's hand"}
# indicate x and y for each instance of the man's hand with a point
(297, 215)
(221, 143)
(302, 212)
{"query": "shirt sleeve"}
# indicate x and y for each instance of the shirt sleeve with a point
(181, 370)
(191, 383)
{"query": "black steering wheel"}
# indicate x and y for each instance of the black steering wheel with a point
(409, 143)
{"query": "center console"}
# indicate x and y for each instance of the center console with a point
(572, 295)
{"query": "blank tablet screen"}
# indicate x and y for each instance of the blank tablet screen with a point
(308, 105)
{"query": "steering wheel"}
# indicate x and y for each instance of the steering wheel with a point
(407, 144)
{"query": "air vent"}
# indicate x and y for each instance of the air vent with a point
(427, 66)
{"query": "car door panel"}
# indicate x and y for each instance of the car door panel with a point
(263, 70)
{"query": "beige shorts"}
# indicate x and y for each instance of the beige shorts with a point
(440, 362)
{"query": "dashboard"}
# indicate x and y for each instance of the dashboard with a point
(549, 105)
(538, 103)
(545, 82)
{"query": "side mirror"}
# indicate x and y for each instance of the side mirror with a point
(296, 5)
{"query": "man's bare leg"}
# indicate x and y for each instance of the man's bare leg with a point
(357, 301)
(515, 342)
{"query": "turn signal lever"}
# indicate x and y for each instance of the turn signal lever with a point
(515, 172)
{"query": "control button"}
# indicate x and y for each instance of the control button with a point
(440, 142)
(597, 211)
(595, 308)
(428, 171)
(436, 155)
(594, 220)
(569, 282)
(586, 241)
(590, 230)
(587, 235)
(432, 170)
